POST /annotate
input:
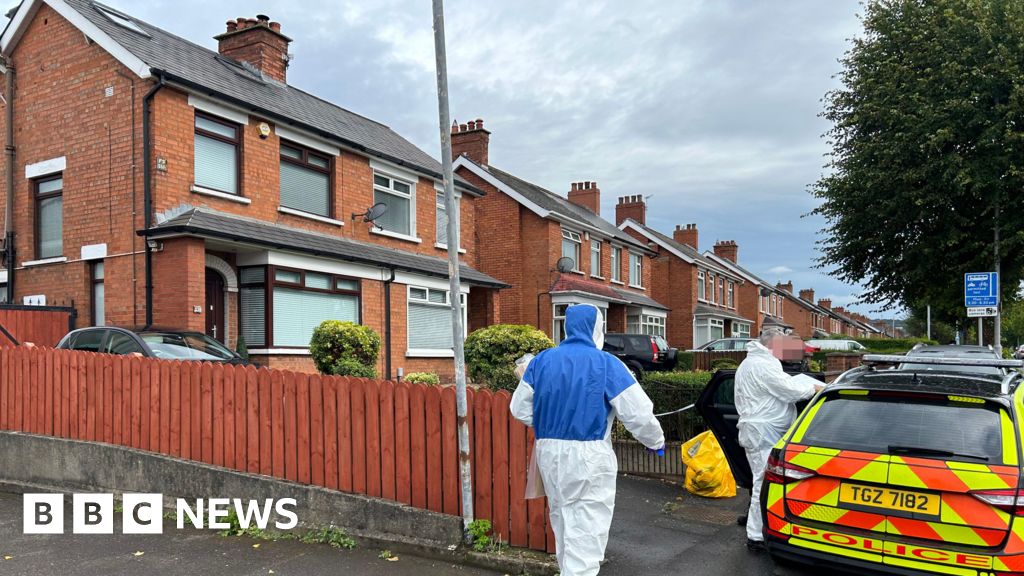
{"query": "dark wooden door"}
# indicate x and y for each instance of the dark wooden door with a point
(214, 305)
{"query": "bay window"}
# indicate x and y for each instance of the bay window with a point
(740, 329)
(398, 197)
(649, 324)
(216, 164)
(280, 307)
(430, 321)
(305, 180)
(707, 329)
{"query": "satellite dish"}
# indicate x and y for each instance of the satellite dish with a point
(565, 264)
(373, 213)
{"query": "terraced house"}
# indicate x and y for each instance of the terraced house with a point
(524, 230)
(158, 182)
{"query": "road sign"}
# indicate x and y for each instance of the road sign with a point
(982, 311)
(981, 289)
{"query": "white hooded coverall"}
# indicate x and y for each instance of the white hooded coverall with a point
(765, 397)
(571, 395)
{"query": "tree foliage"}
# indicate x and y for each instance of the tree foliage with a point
(928, 135)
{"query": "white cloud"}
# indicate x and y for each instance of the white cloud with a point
(780, 270)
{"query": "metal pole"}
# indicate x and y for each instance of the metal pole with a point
(452, 209)
(998, 329)
(981, 329)
(929, 322)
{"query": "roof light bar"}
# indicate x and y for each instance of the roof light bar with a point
(942, 361)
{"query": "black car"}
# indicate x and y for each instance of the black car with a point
(150, 343)
(641, 352)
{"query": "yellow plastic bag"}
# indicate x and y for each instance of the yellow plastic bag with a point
(707, 471)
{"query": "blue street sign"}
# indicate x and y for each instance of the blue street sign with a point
(981, 289)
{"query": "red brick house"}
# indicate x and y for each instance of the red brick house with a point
(157, 182)
(523, 230)
(706, 299)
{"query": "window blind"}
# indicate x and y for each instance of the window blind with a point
(304, 189)
(51, 227)
(253, 315)
(297, 313)
(216, 164)
(430, 327)
(396, 218)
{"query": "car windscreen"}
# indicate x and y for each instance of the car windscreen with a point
(172, 346)
(871, 424)
(206, 345)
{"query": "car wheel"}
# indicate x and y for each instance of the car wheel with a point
(636, 371)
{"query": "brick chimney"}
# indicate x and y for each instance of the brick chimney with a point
(471, 140)
(727, 249)
(826, 304)
(259, 42)
(586, 194)
(839, 310)
(807, 295)
(686, 235)
(788, 286)
(632, 207)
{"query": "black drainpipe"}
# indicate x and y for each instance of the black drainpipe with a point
(9, 254)
(387, 324)
(147, 192)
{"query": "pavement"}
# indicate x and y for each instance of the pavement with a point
(658, 529)
(190, 552)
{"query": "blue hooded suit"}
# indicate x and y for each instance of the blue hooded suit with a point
(571, 395)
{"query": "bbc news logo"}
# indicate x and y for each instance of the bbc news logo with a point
(143, 513)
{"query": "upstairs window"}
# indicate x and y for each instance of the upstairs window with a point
(216, 154)
(49, 213)
(442, 221)
(721, 291)
(701, 288)
(732, 290)
(595, 258)
(305, 180)
(636, 276)
(398, 196)
(616, 264)
(711, 288)
(571, 243)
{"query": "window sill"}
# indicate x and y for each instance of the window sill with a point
(217, 194)
(580, 272)
(619, 282)
(598, 277)
(445, 248)
(317, 217)
(45, 261)
(637, 287)
(420, 353)
(280, 351)
(391, 234)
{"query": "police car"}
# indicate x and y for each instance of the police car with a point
(897, 471)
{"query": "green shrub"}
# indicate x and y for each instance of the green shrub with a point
(422, 378)
(815, 366)
(724, 364)
(671, 391)
(684, 361)
(491, 353)
(345, 349)
(241, 348)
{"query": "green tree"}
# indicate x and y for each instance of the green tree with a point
(927, 138)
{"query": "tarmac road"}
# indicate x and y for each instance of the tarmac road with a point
(659, 528)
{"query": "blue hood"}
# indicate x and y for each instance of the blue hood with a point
(580, 321)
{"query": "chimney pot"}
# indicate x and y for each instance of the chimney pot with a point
(480, 123)
(587, 195)
(231, 25)
(471, 141)
(257, 41)
(726, 249)
(462, 128)
(275, 26)
(686, 235)
(263, 19)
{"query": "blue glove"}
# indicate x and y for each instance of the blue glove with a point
(659, 451)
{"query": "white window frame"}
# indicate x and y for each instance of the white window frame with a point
(411, 236)
(721, 291)
(595, 250)
(576, 239)
(714, 291)
(702, 288)
(616, 264)
(699, 323)
(731, 294)
(639, 268)
(744, 333)
(431, 352)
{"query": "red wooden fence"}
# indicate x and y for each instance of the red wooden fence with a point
(383, 439)
(41, 325)
(703, 360)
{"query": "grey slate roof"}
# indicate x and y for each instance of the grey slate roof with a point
(705, 310)
(561, 206)
(686, 249)
(207, 223)
(638, 299)
(207, 70)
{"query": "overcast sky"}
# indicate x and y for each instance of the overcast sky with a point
(710, 108)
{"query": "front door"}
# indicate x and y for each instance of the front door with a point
(215, 305)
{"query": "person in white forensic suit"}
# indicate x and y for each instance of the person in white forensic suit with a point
(765, 400)
(571, 395)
